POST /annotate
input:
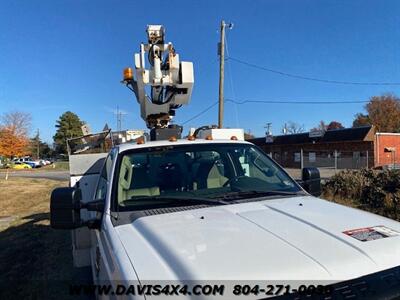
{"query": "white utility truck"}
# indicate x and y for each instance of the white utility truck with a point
(211, 215)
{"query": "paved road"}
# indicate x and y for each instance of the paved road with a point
(54, 175)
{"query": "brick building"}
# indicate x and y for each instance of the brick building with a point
(349, 148)
(387, 149)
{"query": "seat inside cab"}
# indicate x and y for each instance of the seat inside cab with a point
(209, 172)
(134, 180)
(153, 175)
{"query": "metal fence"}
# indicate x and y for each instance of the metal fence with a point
(324, 159)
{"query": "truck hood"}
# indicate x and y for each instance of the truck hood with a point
(297, 238)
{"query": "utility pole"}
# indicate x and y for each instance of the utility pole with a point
(119, 114)
(221, 52)
(268, 133)
(118, 120)
(285, 129)
(38, 144)
(221, 75)
(268, 127)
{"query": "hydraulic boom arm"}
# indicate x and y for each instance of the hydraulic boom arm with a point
(170, 81)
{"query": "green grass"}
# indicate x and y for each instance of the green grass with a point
(57, 166)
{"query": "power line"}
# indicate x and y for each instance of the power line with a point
(306, 77)
(201, 113)
(295, 102)
(241, 102)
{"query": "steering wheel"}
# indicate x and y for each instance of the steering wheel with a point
(230, 180)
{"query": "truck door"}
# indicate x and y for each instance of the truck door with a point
(85, 171)
(101, 249)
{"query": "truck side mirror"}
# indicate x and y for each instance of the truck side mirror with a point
(311, 181)
(65, 208)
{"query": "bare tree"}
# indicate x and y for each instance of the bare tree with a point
(320, 127)
(248, 135)
(17, 122)
(292, 128)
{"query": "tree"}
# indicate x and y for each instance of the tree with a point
(361, 120)
(14, 128)
(292, 128)
(383, 112)
(46, 151)
(34, 146)
(68, 126)
(12, 145)
(334, 125)
(17, 122)
(248, 135)
(39, 149)
(320, 127)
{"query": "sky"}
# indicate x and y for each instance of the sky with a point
(69, 55)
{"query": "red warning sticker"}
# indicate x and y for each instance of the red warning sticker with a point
(371, 233)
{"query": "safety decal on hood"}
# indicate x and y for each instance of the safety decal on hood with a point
(371, 233)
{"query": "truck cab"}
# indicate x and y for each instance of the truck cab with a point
(211, 209)
(219, 210)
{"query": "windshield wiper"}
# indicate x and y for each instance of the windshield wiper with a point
(179, 198)
(255, 194)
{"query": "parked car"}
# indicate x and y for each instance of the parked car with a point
(20, 166)
(45, 162)
(29, 161)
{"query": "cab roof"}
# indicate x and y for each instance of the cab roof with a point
(131, 146)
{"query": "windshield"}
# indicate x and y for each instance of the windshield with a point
(202, 172)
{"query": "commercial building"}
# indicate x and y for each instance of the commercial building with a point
(387, 149)
(349, 148)
(126, 136)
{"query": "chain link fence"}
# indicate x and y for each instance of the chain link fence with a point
(324, 159)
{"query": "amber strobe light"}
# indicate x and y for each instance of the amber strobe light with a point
(128, 74)
(140, 141)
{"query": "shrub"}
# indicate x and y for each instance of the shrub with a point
(376, 191)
